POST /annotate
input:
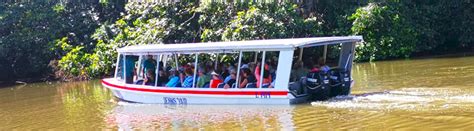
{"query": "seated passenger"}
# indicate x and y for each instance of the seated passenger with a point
(216, 79)
(148, 64)
(267, 78)
(173, 79)
(322, 65)
(203, 78)
(232, 79)
(188, 79)
(248, 77)
(150, 78)
(229, 77)
(162, 78)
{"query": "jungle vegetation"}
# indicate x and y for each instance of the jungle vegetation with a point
(77, 39)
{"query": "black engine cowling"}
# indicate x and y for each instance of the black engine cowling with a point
(317, 84)
(339, 82)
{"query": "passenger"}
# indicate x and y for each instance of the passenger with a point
(162, 77)
(150, 78)
(232, 79)
(322, 65)
(229, 77)
(216, 80)
(148, 64)
(267, 78)
(248, 77)
(315, 69)
(173, 79)
(188, 79)
(273, 67)
(203, 78)
(224, 69)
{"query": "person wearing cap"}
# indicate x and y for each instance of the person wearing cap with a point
(173, 79)
(203, 78)
(216, 79)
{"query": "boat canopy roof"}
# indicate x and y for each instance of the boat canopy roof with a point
(234, 46)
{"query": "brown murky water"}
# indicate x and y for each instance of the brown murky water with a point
(414, 94)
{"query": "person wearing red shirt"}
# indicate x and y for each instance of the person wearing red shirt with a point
(216, 79)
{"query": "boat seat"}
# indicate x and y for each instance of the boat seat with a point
(251, 85)
(220, 85)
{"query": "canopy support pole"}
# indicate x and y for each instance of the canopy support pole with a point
(300, 56)
(139, 68)
(262, 69)
(176, 61)
(217, 61)
(237, 81)
(117, 65)
(325, 52)
(157, 69)
(125, 68)
(256, 57)
(195, 69)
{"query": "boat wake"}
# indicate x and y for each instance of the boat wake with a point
(419, 99)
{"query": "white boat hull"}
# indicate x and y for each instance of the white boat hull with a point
(167, 95)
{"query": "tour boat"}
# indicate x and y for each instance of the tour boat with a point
(320, 85)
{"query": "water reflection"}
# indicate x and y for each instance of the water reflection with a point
(157, 116)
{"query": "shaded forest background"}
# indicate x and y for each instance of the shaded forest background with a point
(67, 39)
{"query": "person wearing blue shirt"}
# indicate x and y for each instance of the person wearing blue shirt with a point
(229, 77)
(188, 79)
(173, 79)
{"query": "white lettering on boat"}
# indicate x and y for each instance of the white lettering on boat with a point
(263, 95)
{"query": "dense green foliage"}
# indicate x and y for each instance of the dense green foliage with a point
(403, 29)
(34, 33)
(80, 40)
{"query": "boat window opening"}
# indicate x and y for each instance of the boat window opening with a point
(246, 74)
(159, 65)
(129, 70)
(119, 68)
(144, 70)
(267, 71)
(186, 69)
(333, 56)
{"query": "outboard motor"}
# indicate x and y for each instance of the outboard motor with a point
(317, 85)
(339, 81)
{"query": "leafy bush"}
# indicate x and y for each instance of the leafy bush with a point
(386, 33)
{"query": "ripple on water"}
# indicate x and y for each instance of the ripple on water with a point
(404, 99)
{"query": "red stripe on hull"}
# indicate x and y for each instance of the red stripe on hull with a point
(273, 93)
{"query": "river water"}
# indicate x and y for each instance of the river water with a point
(407, 94)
